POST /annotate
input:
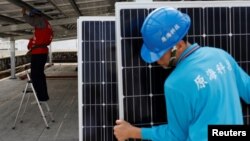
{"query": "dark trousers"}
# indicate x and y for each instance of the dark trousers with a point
(38, 77)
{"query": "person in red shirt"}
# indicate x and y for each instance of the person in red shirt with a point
(43, 35)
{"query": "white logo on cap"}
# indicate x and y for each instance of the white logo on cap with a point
(170, 33)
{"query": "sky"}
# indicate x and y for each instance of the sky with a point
(21, 47)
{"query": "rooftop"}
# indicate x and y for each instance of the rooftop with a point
(62, 88)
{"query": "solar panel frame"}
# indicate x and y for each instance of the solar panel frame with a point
(105, 77)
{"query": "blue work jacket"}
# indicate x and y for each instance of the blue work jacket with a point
(204, 89)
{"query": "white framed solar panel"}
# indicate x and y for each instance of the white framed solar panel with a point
(97, 83)
(222, 24)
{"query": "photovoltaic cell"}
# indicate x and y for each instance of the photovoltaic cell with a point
(240, 44)
(142, 82)
(215, 24)
(98, 99)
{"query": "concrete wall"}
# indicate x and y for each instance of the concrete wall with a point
(20, 60)
(64, 57)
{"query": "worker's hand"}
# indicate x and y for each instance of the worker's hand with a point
(28, 52)
(23, 11)
(124, 130)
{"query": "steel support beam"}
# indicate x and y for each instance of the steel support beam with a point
(12, 59)
(27, 6)
(59, 9)
(9, 20)
(74, 5)
(27, 26)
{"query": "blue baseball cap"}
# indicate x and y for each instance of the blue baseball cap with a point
(35, 12)
(162, 30)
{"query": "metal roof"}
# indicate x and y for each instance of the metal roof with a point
(62, 14)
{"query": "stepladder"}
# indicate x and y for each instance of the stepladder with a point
(27, 92)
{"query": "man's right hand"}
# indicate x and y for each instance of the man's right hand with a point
(28, 53)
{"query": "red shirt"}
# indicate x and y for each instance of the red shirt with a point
(41, 39)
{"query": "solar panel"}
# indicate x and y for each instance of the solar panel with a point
(97, 78)
(140, 87)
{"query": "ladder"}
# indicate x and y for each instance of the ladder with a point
(29, 88)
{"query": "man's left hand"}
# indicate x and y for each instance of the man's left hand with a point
(124, 130)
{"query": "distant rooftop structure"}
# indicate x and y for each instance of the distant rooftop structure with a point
(62, 14)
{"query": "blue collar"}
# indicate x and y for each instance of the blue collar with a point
(188, 51)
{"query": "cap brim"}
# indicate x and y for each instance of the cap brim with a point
(149, 56)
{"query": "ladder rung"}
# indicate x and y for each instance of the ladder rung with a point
(29, 91)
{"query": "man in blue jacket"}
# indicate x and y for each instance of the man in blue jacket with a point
(205, 87)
